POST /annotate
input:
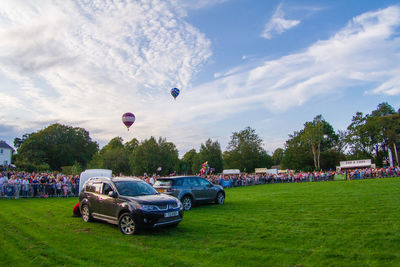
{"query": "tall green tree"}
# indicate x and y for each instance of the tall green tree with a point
(371, 135)
(298, 155)
(387, 124)
(245, 152)
(304, 149)
(277, 156)
(340, 144)
(96, 162)
(114, 156)
(313, 134)
(57, 145)
(19, 141)
(358, 138)
(169, 157)
(187, 161)
(149, 155)
(131, 145)
(209, 151)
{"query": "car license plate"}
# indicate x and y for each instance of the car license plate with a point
(161, 190)
(171, 214)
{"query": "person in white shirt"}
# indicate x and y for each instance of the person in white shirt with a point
(17, 183)
(151, 180)
(25, 187)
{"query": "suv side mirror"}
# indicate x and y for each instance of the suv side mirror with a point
(112, 194)
(209, 185)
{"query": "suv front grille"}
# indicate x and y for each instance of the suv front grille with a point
(169, 206)
(173, 205)
(163, 207)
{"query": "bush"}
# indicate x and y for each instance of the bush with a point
(72, 170)
(31, 167)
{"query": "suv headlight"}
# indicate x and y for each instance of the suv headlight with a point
(180, 206)
(147, 207)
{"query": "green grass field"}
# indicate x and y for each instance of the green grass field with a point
(344, 223)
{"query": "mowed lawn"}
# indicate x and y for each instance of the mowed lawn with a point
(346, 223)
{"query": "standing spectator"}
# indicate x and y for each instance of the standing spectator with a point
(10, 187)
(58, 187)
(17, 183)
(69, 185)
(3, 180)
(77, 185)
(25, 187)
(152, 180)
(35, 185)
(42, 182)
(65, 189)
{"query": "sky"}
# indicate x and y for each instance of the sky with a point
(270, 65)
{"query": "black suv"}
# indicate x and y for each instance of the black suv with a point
(129, 202)
(190, 190)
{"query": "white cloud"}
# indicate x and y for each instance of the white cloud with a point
(365, 52)
(92, 61)
(278, 24)
(87, 64)
(195, 4)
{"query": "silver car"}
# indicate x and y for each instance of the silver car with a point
(190, 190)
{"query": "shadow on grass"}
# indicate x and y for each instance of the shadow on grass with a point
(87, 227)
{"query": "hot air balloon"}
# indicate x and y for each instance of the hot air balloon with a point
(175, 92)
(128, 119)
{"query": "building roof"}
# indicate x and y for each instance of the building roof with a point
(5, 145)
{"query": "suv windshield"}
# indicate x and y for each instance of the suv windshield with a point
(134, 188)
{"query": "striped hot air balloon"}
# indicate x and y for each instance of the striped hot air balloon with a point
(128, 119)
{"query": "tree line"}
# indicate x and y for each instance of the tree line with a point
(317, 146)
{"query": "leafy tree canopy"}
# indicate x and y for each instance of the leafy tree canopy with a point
(57, 145)
(371, 135)
(187, 161)
(115, 157)
(150, 154)
(277, 156)
(209, 151)
(304, 148)
(245, 152)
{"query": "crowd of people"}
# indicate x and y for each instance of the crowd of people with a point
(15, 184)
(296, 177)
(24, 184)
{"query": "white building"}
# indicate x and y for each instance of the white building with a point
(5, 153)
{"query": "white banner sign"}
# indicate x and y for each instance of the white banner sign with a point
(355, 163)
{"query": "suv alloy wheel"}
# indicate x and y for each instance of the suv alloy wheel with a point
(220, 198)
(86, 214)
(187, 202)
(127, 224)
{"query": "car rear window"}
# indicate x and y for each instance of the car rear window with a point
(163, 182)
(169, 182)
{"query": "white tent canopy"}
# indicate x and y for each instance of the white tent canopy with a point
(231, 171)
(93, 173)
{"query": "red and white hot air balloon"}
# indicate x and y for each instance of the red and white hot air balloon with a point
(128, 119)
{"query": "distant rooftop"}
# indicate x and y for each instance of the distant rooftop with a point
(3, 144)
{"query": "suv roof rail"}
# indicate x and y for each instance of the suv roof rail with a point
(99, 177)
